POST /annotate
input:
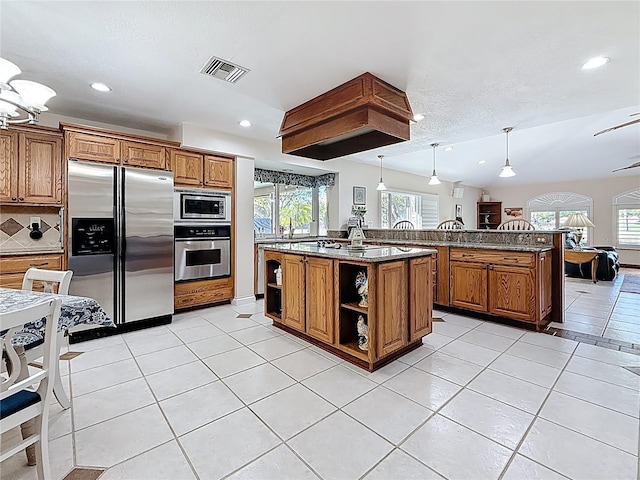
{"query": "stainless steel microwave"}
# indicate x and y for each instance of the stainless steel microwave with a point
(191, 205)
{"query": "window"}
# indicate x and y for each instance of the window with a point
(627, 219)
(550, 211)
(419, 209)
(289, 203)
(323, 210)
(264, 195)
(295, 208)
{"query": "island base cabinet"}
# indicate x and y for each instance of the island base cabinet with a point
(420, 297)
(293, 281)
(319, 298)
(469, 285)
(512, 293)
(513, 285)
(391, 328)
(323, 304)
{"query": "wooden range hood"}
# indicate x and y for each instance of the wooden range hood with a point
(359, 115)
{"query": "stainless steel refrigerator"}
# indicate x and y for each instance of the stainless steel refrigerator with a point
(120, 228)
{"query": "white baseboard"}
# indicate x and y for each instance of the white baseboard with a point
(248, 300)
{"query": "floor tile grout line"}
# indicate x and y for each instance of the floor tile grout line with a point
(380, 384)
(535, 418)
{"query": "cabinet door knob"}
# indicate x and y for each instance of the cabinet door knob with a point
(21, 199)
(14, 199)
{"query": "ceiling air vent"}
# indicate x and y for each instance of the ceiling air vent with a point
(223, 70)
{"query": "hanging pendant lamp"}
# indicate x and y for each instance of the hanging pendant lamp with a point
(507, 171)
(434, 177)
(381, 185)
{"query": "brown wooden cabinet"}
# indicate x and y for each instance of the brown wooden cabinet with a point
(187, 168)
(31, 166)
(489, 215)
(514, 285)
(115, 148)
(421, 272)
(319, 298)
(218, 171)
(93, 148)
(320, 302)
(293, 291)
(198, 170)
(202, 292)
(13, 268)
(392, 334)
(136, 154)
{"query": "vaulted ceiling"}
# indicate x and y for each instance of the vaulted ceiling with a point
(471, 68)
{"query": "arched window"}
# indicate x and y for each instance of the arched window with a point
(627, 218)
(551, 210)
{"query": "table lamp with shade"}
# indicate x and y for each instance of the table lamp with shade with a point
(578, 220)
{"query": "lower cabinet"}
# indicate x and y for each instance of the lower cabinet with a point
(322, 299)
(308, 298)
(13, 268)
(511, 285)
(202, 292)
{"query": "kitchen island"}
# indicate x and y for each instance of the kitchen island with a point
(318, 300)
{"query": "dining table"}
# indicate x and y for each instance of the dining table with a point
(74, 311)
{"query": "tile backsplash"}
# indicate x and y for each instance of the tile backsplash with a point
(15, 229)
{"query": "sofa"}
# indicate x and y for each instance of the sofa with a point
(608, 262)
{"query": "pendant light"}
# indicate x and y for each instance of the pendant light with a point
(381, 185)
(434, 177)
(507, 171)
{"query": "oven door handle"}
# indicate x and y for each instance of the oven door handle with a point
(207, 239)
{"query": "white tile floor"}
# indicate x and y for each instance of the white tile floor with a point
(214, 396)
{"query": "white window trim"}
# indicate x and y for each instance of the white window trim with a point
(630, 199)
(407, 192)
(562, 201)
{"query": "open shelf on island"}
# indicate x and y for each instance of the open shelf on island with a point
(273, 293)
(354, 306)
(353, 349)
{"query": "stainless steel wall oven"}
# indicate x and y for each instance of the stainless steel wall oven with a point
(202, 252)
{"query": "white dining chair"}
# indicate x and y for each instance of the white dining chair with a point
(19, 402)
(50, 279)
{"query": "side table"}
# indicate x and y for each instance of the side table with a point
(584, 256)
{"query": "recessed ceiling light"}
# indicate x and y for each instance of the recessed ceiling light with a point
(448, 149)
(244, 123)
(595, 62)
(101, 87)
(481, 162)
(417, 117)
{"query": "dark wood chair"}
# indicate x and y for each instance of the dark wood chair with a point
(450, 224)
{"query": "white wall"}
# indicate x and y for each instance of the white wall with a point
(243, 227)
(53, 120)
(601, 190)
(352, 174)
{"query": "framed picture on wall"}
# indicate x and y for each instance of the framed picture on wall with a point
(458, 211)
(359, 195)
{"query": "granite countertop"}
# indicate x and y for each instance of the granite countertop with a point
(261, 241)
(485, 246)
(370, 254)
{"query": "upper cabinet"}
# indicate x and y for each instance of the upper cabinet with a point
(142, 155)
(187, 168)
(198, 170)
(94, 148)
(218, 171)
(92, 145)
(191, 169)
(31, 166)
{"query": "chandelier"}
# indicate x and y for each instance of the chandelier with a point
(21, 101)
